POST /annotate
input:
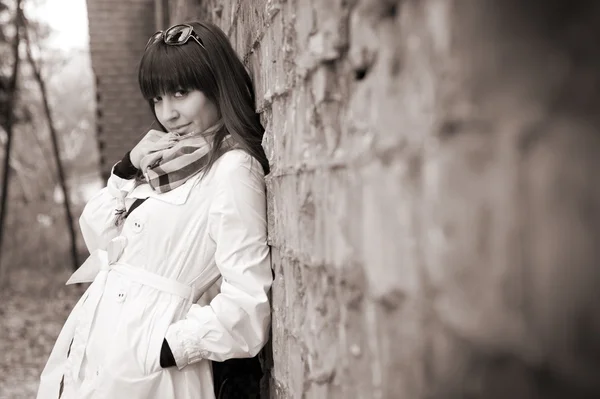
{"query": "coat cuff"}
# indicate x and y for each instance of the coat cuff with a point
(177, 349)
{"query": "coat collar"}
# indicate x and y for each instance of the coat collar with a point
(177, 196)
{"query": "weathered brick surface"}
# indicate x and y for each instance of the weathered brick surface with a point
(118, 33)
(433, 209)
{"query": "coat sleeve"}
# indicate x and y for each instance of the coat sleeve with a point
(236, 322)
(97, 221)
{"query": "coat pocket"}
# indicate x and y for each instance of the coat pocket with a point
(164, 317)
(155, 340)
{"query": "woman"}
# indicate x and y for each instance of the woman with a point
(137, 331)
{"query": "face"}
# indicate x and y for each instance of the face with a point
(185, 112)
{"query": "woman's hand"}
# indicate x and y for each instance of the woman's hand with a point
(150, 143)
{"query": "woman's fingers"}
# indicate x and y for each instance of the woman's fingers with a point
(154, 135)
(153, 141)
(149, 148)
(161, 145)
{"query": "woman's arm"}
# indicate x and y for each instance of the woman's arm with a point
(236, 322)
(97, 221)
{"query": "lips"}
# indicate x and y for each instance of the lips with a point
(179, 129)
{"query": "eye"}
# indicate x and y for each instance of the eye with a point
(180, 93)
(156, 100)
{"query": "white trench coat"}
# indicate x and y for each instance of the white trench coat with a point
(147, 276)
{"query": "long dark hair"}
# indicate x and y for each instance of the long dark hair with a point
(217, 71)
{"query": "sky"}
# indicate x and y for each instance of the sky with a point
(67, 19)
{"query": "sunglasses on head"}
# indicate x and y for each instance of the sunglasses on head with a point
(176, 35)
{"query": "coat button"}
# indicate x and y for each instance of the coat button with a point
(121, 296)
(137, 225)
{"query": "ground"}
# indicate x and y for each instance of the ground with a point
(32, 312)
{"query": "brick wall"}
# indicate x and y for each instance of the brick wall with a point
(432, 206)
(118, 33)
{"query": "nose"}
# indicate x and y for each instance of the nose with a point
(167, 111)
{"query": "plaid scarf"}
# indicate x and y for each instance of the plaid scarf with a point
(181, 158)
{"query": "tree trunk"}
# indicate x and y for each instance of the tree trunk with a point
(10, 119)
(61, 174)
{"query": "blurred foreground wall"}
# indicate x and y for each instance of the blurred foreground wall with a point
(434, 198)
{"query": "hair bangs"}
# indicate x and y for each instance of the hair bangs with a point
(166, 69)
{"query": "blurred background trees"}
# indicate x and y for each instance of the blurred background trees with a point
(36, 234)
